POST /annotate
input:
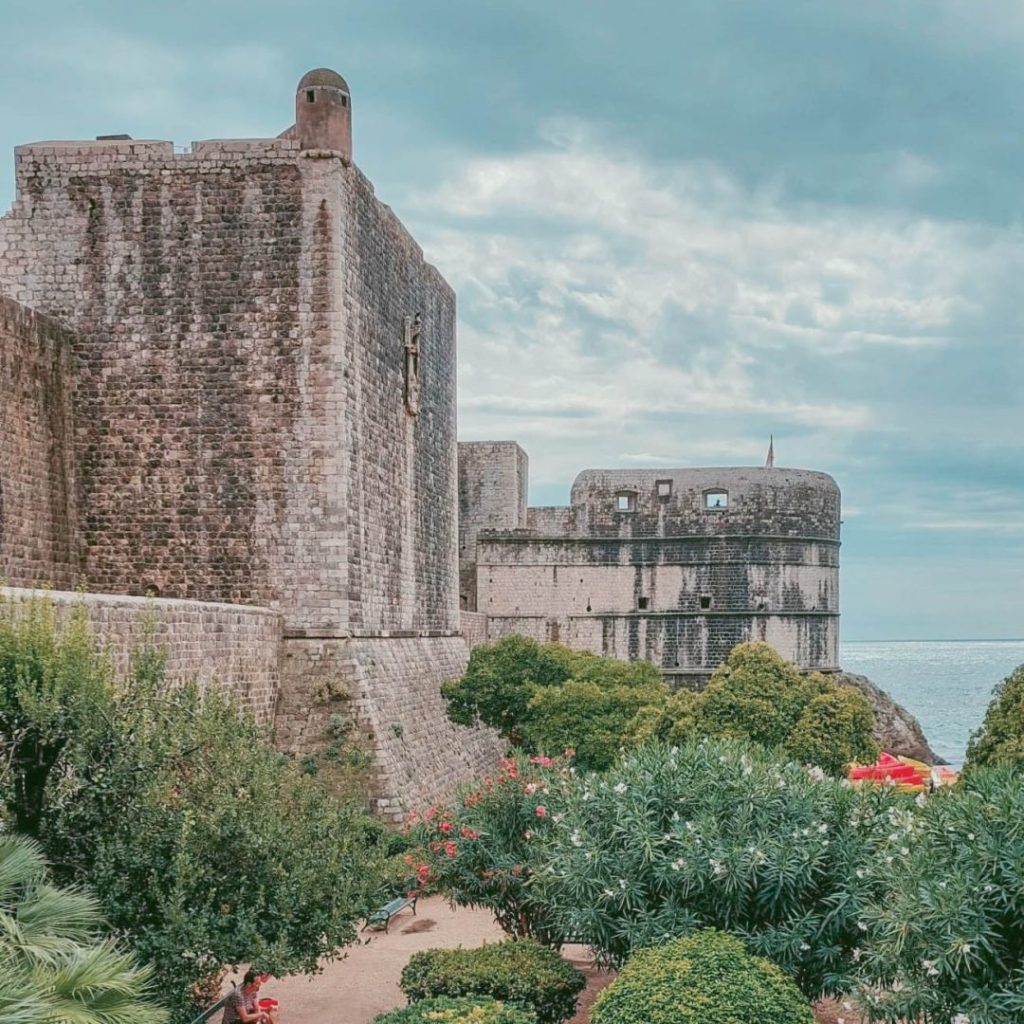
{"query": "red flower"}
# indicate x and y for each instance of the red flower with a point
(542, 811)
(431, 814)
(544, 762)
(569, 752)
(450, 849)
(445, 827)
(517, 870)
(469, 833)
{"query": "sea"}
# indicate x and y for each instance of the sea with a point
(945, 684)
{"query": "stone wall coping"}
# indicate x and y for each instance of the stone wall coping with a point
(672, 613)
(526, 536)
(141, 603)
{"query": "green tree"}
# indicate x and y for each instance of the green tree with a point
(756, 695)
(1000, 740)
(203, 845)
(54, 966)
(545, 697)
(55, 693)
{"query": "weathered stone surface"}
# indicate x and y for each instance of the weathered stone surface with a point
(38, 515)
(251, 399)
(233, 647)
(675, 566)
(898, 731)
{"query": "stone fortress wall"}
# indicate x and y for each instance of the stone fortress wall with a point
(673, 566)
(38, 517)
(260, 408)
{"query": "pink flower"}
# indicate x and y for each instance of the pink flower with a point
(530, 788)
(450, 849)
(542, 811)
(445, 827)
(544, 762)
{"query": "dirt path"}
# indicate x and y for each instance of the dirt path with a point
(355, 989)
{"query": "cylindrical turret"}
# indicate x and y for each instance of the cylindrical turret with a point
(323, 113)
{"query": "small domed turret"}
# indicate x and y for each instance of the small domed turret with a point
(323, 112)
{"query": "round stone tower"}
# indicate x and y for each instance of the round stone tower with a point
(323, 113)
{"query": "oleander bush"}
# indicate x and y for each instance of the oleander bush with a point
(716, 834)
(1000, 740)
(706, 978)
(518, 971)
(443, 1010)
(945, 933)
(482, 851)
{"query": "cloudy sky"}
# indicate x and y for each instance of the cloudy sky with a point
(674, 227)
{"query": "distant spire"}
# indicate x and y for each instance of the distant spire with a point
(770, 461)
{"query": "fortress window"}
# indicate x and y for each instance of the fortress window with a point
(413, 326)
(705, 602)
(716, 499)
(344, 101)
(664, 488)
(625, 501)
(310, 96)
(642, 603)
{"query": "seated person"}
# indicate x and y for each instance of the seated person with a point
(243, 1004)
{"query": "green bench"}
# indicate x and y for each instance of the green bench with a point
(384, 914)
(208, 1014)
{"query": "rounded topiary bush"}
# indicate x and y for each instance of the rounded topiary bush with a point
(443, 1010)
(706, 978)
(518, 971)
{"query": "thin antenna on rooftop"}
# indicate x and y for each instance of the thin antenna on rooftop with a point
(770, 461)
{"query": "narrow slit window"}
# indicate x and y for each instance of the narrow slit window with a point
(716, 500)
(310, 96)
(642, 603)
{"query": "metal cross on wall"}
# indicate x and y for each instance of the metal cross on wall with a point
(413, 327)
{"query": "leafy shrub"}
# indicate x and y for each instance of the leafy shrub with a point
(457, 1011)
(544, 697)
(945, 937)
(483, 851)
(519, 970)
(591, 717)
(203, 845)
(715, 834)
(54, 964)
(1000, 740)
(756, 695)
(707, 978)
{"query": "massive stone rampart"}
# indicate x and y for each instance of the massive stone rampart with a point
(235, 648)
(38, 518)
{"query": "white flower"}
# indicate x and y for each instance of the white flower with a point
(816, 773)
(622, 883)
(961, 1018)
(862, 926)
(609, 893)
(920, 799)
(620, 788)
(970, 836)
(530, 788)
(823, 827)
(804, 947)
(965, 947)
(678, 865)
(576, 839)
(717, 867)
(857, 954)
(930, 969)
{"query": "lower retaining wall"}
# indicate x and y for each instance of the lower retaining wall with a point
(473, 626)
(230, 646)
(391, 687)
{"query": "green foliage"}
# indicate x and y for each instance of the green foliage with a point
(834, 731)
(1000, 740)
(55, 967)
(756, 695)
(545, 697)
(714, 834)
(500, 680)
(519, 971)
(707, 978)
(945, 937)
(55, 693)
(591, 718)
(483, 851)
(457, 1011)
(203, 845)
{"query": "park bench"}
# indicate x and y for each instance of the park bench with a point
(208, 1014)
(384, 914)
